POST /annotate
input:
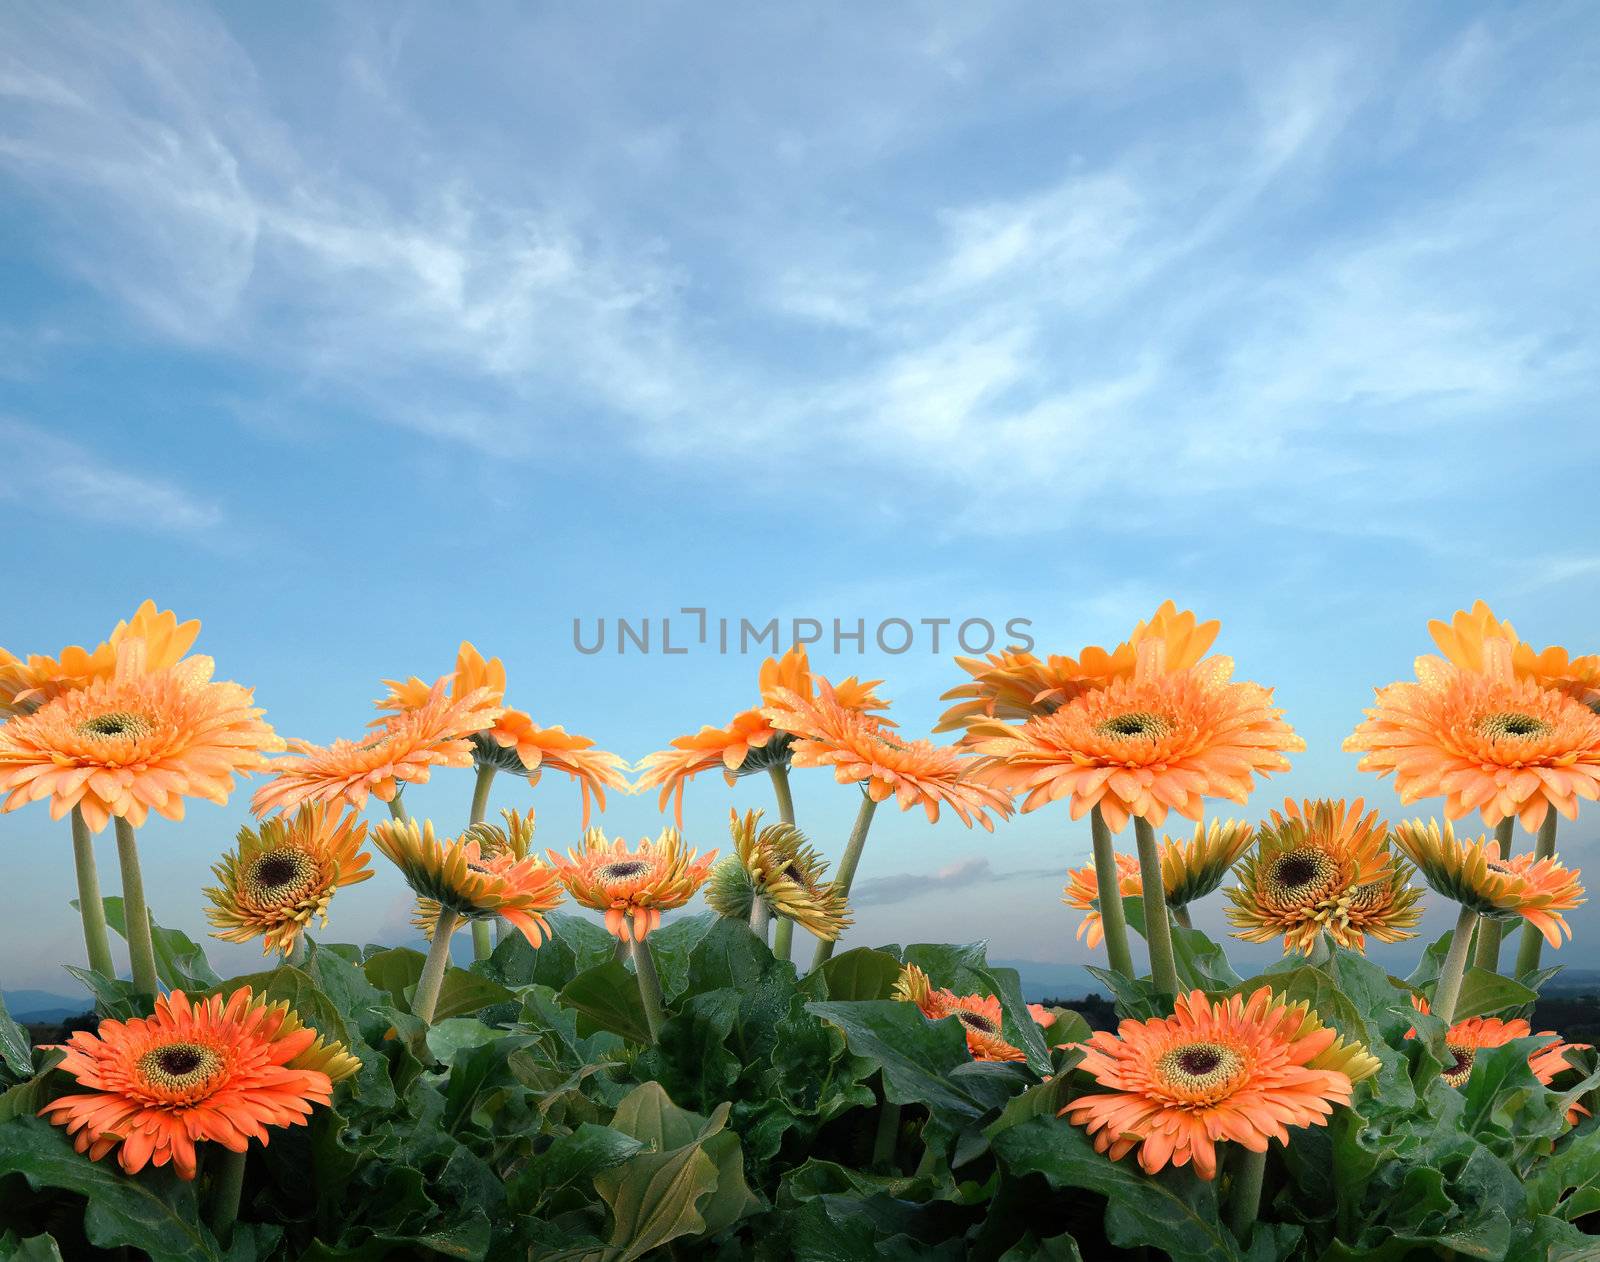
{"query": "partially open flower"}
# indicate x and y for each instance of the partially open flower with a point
(1234, 1069)
(632, 887)
(210, 1069)
(1323, 867)
(456, 874)
(1083, 892)
(778, 866)
(1465, 1039)
(979, 1015)
(137, 741)
(279, 878)
(515, 840)
(1474, 875)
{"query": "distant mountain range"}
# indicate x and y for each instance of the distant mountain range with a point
(42, 1005)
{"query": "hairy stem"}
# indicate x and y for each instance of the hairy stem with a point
(426, 1000)
(644, 967)
(1245, 1199)
(1448, 988)
(783, 931)
(1113, 923)
(1487, 954)
(225, 1193)
(1157, 928)
(136, 916)
(1180, 916)
(847, 868)
(887, 1139)
(397, 808)
(1531, 946)
(91, 907)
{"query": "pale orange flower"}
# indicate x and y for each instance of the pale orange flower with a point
(1015, 686)
(1465, 1039)
(512, 741)
(749, 743)
(1083, 892)
(858, 748)
(405, 750)
(1468, 641)
(214, 1069)
(979, 1015)
(632, 887)
(137, 741)
(25, 685)
(1486, 742)
(1237, 1069)
(1159, 740)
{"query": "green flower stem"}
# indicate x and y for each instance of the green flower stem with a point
(1113, 922)
(1321, 951)
(1532, 944)
(1180, 916)
(141, 951)
(783, 931)
(90, 905)
(1448, 988)
(760, 917)
(397, 808)
(1487, 954)
(1245, 1198)
(297, 954)
(482, 935)
(847, 869)
(426, 999)
(887, 1139)
(225, 1194)
(1157, 927)
(644, 967)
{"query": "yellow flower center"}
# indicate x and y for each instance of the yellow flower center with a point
(1510, 725)
(1300, 876)
(117, 723)
(1368, 897)
(281, 876)
(622, 870)
(1457, 1073)
(179, 1066)
(1199, 1067)
(977, 1021)
(1135, 725)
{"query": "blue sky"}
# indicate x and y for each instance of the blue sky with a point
(357, 332)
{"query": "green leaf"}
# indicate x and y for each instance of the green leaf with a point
(861, 973)
(154, 1210)
(113, 997)
(447, 1038)
(1202, 963)
(571, 1161)
(180, 961)
(395, 972)
(16, 1048)
(1568, 1184)
(607, 998)
(576, 943)
(691, 1056)
(462, 992)
(965, 970)
(916, 1055)
(27, 1098)
(1484, 993)
(33, 1249)
(672, 947)
(1174, 1211)
(1032, 1249)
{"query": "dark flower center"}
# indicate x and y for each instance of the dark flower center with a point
(978, 1021)
(178, 1065)
(1200, 1066)
(1508, 724)
(276, 869)
(1138, 723)
(117, 723)
(1301, 875)
(622, 870)
(281, 875)
(1199, 1060)
(1460, 1068)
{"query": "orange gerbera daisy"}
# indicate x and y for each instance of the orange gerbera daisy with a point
(1142, 745)
(827, 733)
(281, 877)
(1237, 1069)
(979, 1015)
(1083, 892)
(25, 685)
(1473, 874)
(1468, 641)
(215, 1068)
(749, 743)
(141, 740)
(405, 750)
(1015, 686)
(1323, 867)
(1485, 742)
(512, 741)
(460, 877)
(1465, 1039)
(632, 887)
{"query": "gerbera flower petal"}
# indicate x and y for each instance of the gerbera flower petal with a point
(632, 887)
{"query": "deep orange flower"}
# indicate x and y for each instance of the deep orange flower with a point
(405, 750)
(827, 733)
(1465, 1039)
(749, 743)
(1143, 745)
(1015, 686)
(1485, 742)
(1468, 641)
(25, 685)
(1237, 1069)
(632, 887)
(280, 878)
(217, 1069)
(512, 741)
(141, 740)
(1083, 892)
(979, 1014)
